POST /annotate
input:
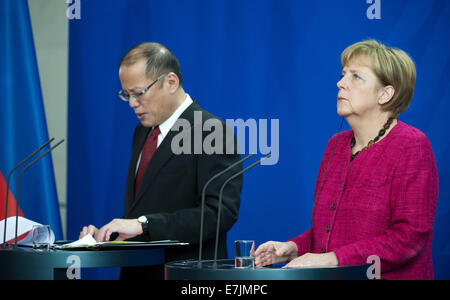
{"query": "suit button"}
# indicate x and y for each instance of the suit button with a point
(333, 207)
(328, 229)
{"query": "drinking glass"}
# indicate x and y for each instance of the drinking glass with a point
(244, 254)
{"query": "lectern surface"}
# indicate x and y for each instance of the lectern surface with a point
(225, 270)
(26, 263)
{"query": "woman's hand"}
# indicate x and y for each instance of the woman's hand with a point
(271, 253)
(314, 260)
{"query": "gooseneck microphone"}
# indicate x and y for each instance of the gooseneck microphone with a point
(7, 185)
(220, 201)
(202, 213)
(18, 185)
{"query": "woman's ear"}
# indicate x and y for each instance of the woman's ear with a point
(385, 95)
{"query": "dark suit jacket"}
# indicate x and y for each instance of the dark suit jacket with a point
(170, 194)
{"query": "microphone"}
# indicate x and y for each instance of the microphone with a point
(202, 214)
(220, 201)
(18, 185)
(7, 184)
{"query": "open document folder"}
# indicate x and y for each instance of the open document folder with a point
(88, 242)
(32, 234)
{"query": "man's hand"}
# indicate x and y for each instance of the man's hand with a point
(271, 253)
(92, 230)
(125, 228)
(313, 260)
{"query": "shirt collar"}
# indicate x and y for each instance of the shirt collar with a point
(165, 126)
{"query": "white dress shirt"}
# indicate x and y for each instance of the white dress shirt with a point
(165, 126)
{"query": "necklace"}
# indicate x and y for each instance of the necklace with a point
(371, 142)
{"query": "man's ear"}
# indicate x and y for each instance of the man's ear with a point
(173, 82)
(385, 95)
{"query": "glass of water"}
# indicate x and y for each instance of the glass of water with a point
(42, 236)
(244, 254)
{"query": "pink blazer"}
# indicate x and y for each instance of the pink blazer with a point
(383, 203)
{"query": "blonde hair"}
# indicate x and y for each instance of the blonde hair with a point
(392, 66)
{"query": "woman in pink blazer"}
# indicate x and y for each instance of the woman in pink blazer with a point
(377, 187)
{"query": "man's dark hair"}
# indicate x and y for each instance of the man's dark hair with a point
(160, 60)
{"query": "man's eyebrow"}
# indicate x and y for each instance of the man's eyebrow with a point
(134, 89)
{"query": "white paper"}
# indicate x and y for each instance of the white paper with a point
(89, 241)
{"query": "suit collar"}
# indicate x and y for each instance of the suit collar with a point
(168, 124)
(160, 158)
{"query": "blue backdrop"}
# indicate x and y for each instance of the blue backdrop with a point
(260, 59)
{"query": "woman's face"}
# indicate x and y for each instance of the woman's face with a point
(359, 90)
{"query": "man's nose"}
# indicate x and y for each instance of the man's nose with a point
(133, 102)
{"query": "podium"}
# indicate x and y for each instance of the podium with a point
(30, 264)
(225, 270)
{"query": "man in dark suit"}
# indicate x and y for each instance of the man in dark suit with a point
(163, 189)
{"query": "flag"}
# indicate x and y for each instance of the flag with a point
(23, 127)
(12, 205)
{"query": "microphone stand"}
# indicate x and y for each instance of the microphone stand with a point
(18, 185)
(220, 202)
(7, 185)
(202, 213)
